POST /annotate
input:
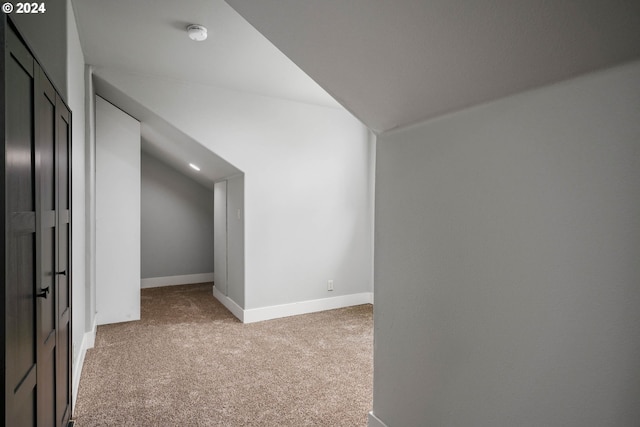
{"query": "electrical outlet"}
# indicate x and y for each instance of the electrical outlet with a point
(330, 285)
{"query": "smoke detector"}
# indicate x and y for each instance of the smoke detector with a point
(197, 32)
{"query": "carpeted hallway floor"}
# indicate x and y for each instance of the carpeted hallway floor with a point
(189, 362)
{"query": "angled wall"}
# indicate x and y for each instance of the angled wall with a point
(506, 268)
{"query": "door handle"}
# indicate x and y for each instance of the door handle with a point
(63, 273)
(43, 293)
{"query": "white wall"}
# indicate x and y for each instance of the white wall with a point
(117, 215)
(506, 269)
(176, 222)
(306, 178)
(90, 199)
(75, 85)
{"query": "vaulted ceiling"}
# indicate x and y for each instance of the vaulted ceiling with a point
(149, 37)
(390, 63)
(393, 63)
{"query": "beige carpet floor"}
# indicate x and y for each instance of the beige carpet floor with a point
(189, 362)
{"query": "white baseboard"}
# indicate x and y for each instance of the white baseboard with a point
(293, 309)
(304, 307)
(231, 305)
(187, 279)
(88, 341)
(375, 421)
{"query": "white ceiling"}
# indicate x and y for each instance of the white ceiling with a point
(149, 37)
(393, 63)
(390, 63)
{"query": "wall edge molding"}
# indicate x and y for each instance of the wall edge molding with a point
(88, 341)
(305, 307)
(230, 304)
(186, 279)
(260, 314)
(375, 421)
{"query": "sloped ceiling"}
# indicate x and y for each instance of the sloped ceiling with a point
(399, 62)
(149, 38)
(163, 141)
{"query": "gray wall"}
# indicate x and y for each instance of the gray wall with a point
(177, 222)
(507, 273)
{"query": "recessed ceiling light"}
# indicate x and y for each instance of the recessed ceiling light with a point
(194, 166)
(197, 32)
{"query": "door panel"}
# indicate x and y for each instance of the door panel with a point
(63, 270)
(46, 213)
(20, 309)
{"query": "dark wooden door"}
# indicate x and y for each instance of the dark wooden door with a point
(20, 284)
(45, 121)
(63, 262)
(37, 292)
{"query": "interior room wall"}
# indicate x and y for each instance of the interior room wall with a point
(76, 95)
(90, 200)
(307, 195)
(506, 267)
(117, 215)
(176, 222)
(84, 299)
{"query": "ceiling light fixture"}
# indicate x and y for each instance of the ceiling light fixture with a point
(197, 32)
(194, 166)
